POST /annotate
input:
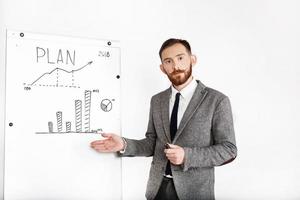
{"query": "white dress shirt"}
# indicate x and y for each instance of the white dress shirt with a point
(184, 100)
(186, 95)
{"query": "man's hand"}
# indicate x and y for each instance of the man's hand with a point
(175, 154)
(111, 143)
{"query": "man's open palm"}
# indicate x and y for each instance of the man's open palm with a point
(111, 143)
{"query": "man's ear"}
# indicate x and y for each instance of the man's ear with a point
(194, 60)
(162, 68)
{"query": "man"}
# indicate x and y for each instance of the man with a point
(190, 131)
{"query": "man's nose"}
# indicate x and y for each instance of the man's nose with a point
(176, 66)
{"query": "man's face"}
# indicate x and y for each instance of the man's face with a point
(177, 63)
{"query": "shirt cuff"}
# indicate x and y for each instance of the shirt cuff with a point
(125, 146)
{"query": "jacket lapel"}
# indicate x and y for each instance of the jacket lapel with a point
(195, 102)
(165, 113)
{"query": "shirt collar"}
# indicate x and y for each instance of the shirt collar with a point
(186, 92)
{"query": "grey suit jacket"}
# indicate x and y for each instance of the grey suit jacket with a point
(205, 132)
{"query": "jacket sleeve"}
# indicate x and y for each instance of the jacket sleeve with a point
(143, 147)
(223, 149)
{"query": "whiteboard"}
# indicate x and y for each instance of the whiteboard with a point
(61, 93)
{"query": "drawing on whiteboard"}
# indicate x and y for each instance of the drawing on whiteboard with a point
(56, 76)
(54, 88)
(79, 109)
(106, 105)
(62, 56)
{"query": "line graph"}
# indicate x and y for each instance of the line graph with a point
(54, 77)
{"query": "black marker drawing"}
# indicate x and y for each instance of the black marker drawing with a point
(106, 105)
(56, 83)
(78, 117)
(87, 110)
(50, 126)
(68, 127)
(59, 59)
(59, 121)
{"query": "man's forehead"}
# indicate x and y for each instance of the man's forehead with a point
(174, 50)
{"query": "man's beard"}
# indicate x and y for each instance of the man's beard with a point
(179, 77)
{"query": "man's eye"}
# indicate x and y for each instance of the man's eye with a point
(180, 58)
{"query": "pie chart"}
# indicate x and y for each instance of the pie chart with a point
(106, 105)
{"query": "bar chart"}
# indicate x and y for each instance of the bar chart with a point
(82, 119)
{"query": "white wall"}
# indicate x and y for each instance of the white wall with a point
(247, 49)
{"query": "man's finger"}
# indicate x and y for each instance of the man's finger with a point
(98, 146)
(102, 148)
(105, 143)
(171, 156)
(97, 142)
(107, 135)
(173, 160)
(167, 151)
(173, 146)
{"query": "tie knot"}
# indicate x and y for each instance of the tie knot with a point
(177, 95)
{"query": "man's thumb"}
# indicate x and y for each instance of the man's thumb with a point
(106, 135)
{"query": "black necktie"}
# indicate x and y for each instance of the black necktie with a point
(173, 123)
(173, 128)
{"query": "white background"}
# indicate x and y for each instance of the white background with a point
(249, 50)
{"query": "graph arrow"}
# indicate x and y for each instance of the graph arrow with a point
(75, 70)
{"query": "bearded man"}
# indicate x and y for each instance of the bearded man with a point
(190, 131)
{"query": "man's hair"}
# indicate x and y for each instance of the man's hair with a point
(171, 42)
